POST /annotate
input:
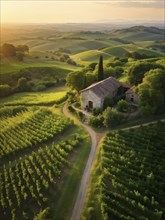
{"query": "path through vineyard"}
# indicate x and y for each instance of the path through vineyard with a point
(95, 138)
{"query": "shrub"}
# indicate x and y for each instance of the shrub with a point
(96, 121)
(71, 109)
(5, 90)
(22, 85)
(81, 116)
(96, 111)
(40, 87)
(122, 106)
(108, 102)
(112, 117)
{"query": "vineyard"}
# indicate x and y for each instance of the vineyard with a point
(131, 171)
(40, 154)
(26, 185)
(29, 128)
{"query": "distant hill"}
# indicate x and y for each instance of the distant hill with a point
(139, 33)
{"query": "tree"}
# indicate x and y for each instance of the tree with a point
(90, 78)
(108, 102)
(71, 62)
(96, 121)
(76, 80)
(122, 106)
(151, 91)
(92, 66)
(108, 71)
(136, 72)
(8, 50)
(118, 71)
(100, 69)
(5, 90)
(20, 55)
(22, 85)
(22, 48)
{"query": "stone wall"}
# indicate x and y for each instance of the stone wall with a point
(131, 97)
(87, 96)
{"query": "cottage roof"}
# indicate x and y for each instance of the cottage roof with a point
(104, 87)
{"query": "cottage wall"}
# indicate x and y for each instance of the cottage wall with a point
(87, 96)
(131, 97)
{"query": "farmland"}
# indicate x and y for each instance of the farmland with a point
(37, 146)
(129, 168)
(43, 153)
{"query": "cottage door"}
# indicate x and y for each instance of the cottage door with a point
(90, 105)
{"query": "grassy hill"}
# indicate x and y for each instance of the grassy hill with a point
(74, 45)
(15, 66)
(90, 55)
(117, 51)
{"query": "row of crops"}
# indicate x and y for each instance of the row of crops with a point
(29, 128)
(26, 185)
(131, 183)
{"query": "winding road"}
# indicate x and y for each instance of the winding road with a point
(95, 138)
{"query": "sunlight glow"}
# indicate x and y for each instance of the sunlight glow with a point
(78, 11)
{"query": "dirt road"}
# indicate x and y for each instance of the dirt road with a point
(95, 138)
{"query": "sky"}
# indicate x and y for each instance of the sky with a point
(54, 11)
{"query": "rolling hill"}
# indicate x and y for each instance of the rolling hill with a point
(140, 33)
(90, 55)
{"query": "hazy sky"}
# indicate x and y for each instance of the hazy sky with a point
(53, 11)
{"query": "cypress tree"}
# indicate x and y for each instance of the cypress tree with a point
(85, 81)
(100, 69)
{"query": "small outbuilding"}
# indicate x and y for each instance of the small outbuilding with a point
(94, 95)
(131, 96)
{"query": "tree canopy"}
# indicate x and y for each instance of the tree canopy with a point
(8, 50)
(23, 48)
(137, 71)
(76, 80)
(151, 91)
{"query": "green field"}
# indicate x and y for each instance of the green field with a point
(90, 55)
(129, 170)
(117, 51)
(51, 96)
(10, 66)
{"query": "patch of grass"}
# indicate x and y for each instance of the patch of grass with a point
(35, 98)
(118, 51)
(15, 66)
(70, 184)
(90, 55)
(92, 192)
(150, 52)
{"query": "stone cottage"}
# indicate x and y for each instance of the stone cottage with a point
(94, 95)
(131, 96)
